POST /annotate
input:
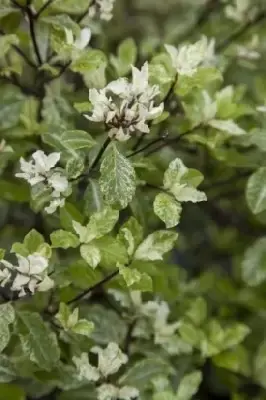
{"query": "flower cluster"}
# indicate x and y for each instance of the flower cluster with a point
(126, 107)
(110, 360)
(103, 8)
(29, 276)
(41, 169)
(188, 58)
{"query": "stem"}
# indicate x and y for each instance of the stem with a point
(31, 17)
(241, 31)
(100, 154)
(134, 153)
(41, 10)
(129, 336)
(92, 288)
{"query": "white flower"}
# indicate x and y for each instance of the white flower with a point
(35, 171)
(110, 359)
(54, 205)
(104, 8)
(30, 273)
(241, 11)
(85, 369)
(261, 109)
(126, 107)
(111, 392)
(58, 182)
(41, 169)
(187, 58)
(82, 41)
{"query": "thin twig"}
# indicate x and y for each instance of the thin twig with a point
(26, 90)
(43, 8)
(134, 153)
(241, 31)
(94, 287)
(31, 17)
(20, 52)
(100, 154)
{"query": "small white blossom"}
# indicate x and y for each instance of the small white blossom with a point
(111, 392)
(241, 10)
(85, 369)
(81, 41)
(126, 108)
(261, 109)
(110, 359)
(41, 169)
(187, 58)
(104, 8)
(30, 273)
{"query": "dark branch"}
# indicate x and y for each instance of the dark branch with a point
(241, 31)
(100, 154)
(94, 287)
(43, 8)
(31, 17)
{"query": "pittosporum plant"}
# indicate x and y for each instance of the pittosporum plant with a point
(132, 199)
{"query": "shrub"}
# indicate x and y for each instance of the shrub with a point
(132, 199)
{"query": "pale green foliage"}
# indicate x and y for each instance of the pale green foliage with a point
(132, 199)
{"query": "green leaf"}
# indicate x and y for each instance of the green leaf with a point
(61, 21)
(135, 279)
(2, 254)
(156, 245)
(7, 370)
(236, 360)
(11, 392)
(74, 167)
(201, 79)
(256, 191)
(112, 252)
(228, 126)
(40, 196)
(91, 254)
(93, 198)
(70, 6)
(84, 393)
(81, 276)
(142, 372)
(189, 333)
(166, 395)
(108, 326)
(101, 223)
(235, 334)
(260, 364)
(38, 342)
(63, 239)
(7, 317)
(88, 61)
(118, 179)
(32, 241)
(83, 327)
(11, 103)
(69, 141)
(198, 311)
(6, 42)
(254, 263)
(127, 54)
(131, 235)
(11, 191)
(167, 209)
(68, 213)
(189, 386)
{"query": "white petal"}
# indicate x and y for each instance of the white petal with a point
(38, 264)
(58, 182)
(19, 282)
(155, 112)
(40, 161)
(23, 264)
(118, 87)
(51, 160)
(140, 78)
(84, 39)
